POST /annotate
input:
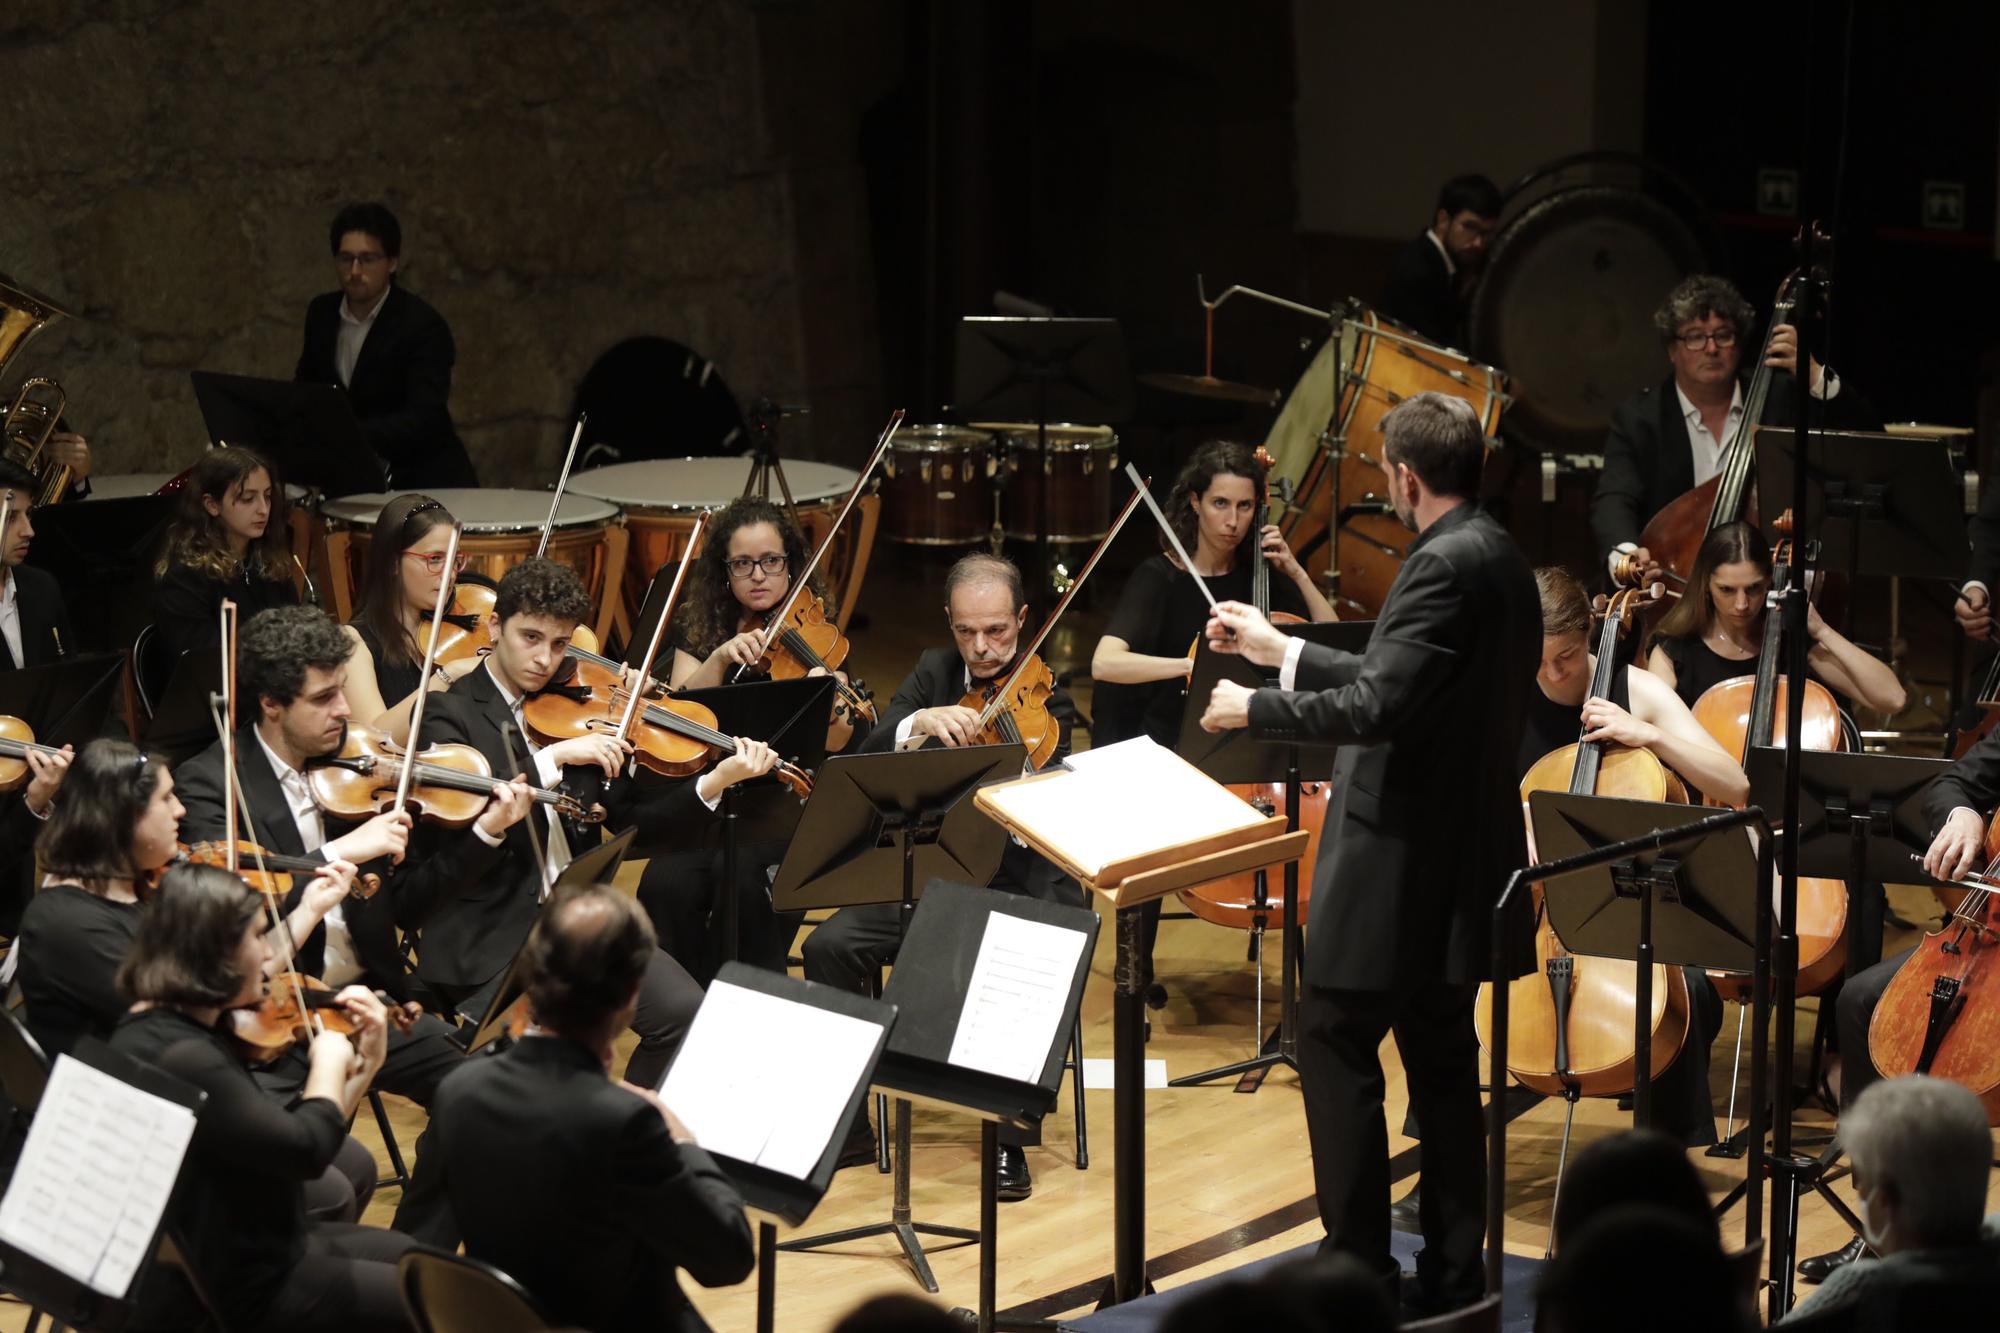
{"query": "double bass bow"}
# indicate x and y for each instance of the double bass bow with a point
(1571, 1025)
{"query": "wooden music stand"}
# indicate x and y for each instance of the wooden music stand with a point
(1149, 862)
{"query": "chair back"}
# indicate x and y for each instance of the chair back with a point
(24, 1070)
(451, 1293)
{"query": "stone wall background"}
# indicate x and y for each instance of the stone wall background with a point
(566, 174)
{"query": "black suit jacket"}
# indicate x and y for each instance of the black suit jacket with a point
(1425, 823)
(575, 1188)
(439, 863)
(401, 384)
(1974, 782)
(1422, 295)
(939, 679)
(1649, 456)
(45, 631)
(471, 935)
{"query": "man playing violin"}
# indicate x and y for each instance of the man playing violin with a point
(1668, 439)
(1429, 721)
(471, 937)
(986, 607)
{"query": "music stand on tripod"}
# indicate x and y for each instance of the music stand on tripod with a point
(1012, 368)
(1234, 757)
(309, 431)
(876, 827)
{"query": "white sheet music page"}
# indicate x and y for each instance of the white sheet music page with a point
(1122, 801)
(95, 1175)
(763, 1079)
(1014, 1001)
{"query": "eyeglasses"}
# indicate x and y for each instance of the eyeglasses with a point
(1724, 339)
(740, 566)
(433, 561)
(366, 259)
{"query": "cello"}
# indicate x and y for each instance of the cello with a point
(1242, 901)
(1941, 1012)
(1572, 1024)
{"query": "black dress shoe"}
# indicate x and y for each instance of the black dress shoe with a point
(1820, 1266)
(860, 1145)
(1404, 1215)
(1011, 1178)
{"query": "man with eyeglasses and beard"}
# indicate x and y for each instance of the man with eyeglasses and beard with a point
(1668, 439)
(391, 351)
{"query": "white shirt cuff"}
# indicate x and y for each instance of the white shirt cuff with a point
(903, 730)
(490, 839)
(1980, 584)
(547, 771)
(1826, 385)
(712, 805)
(1288, 671)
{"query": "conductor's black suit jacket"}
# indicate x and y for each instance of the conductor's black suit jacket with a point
(400, 387)
(938, 679)
(574, 1187)
(1425, 823)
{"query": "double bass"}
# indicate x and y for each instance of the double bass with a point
(1570, 1031)
(1240, 901)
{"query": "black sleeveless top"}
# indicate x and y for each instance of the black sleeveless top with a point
(396, 682)
(1549, 725)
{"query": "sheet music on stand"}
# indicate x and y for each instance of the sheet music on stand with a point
(95, 1175)
(1014, 1003)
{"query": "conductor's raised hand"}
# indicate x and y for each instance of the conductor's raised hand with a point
(1228, 707)
(1234, 627)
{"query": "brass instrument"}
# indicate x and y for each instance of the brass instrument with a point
(38, 405)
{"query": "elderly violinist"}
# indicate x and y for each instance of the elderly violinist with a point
(986, 608)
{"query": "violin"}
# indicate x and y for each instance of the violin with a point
(805, 641)
(17, 742)
(466, 629)
(449, 784)
(1746, 711)
(1571, 1032)
(270, 873)
(1938, 1014)
(294, 1008)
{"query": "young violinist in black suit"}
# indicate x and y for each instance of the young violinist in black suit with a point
(471, 937)
(202, 949)
(390, 350)
(34, 623)
(986, 608)
(1668, 439)
(1429, 720)
(624, 1196)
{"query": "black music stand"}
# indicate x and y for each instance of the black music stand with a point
(66, 702)
(1235, 757)
(875, 827)
(309, 431)
(183, 722)
(596, 866)
(1891, 494)
(101, 554)
(763, 1187)
(931, 991)
(1042, 370)
(791, 716)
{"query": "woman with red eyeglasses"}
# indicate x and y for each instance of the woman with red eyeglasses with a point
(399, 590)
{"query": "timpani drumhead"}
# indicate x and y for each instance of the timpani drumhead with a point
(688, 485)
(484, 510)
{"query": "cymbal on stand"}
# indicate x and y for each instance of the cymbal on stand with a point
(1208, 386)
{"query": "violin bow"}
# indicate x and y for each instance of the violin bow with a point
(804, 576)
(562, 483)
(236, 804)
(509, 733)
(634, 697)
(998, 698)
(1173, 538)
(409, 765)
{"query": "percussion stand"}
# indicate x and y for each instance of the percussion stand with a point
(765, 464)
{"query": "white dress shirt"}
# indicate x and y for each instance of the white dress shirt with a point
(10, 618)
(1450, 269)
(352, 333)
(342, 964)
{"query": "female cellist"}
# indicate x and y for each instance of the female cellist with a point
(227, 539)
(201, 950)
(1141, 665)
(399, 588)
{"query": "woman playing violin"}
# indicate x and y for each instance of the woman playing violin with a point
(227, 539)
(1715, 632)
(399, 588)
(202, 949)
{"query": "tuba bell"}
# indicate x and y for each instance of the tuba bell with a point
(37, 406)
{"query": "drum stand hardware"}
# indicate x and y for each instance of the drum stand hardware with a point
(765, 463)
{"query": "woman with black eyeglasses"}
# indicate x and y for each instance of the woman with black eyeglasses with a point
(399, 590)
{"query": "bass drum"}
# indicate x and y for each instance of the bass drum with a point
(1566, 305)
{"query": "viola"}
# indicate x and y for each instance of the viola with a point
(294, 1008)
(449, 784)
(805, 641)
(1941, 1012)
(270, 873)
(17, 742)
(1571, 1030)
(1015, 710)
